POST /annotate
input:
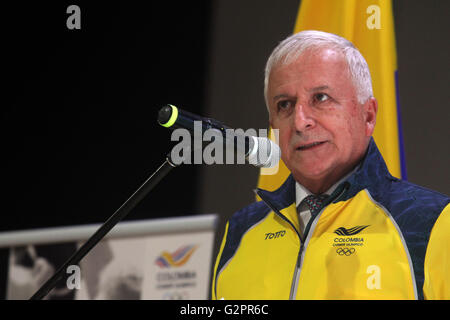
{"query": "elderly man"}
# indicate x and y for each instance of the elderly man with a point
(340, 227)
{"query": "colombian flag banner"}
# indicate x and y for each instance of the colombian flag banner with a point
(369, 25)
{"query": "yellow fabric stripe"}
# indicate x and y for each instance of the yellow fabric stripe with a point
(224, 239)
(437, 259)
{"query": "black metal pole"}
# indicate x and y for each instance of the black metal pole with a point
(120, 213)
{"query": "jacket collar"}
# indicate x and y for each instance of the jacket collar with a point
(371, 172)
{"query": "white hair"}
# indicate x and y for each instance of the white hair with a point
(292, 47)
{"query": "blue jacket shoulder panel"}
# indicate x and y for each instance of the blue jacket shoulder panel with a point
(414, 208)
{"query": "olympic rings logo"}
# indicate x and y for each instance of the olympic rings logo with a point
(345, 251)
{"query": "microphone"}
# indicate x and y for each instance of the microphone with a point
(259, 151)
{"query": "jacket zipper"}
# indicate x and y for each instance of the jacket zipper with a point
(296, 276)
(339, 192)
(309, 230)
(298, 267)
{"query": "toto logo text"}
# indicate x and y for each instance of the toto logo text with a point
(275, 235)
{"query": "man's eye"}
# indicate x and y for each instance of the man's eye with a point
(320, 97)
(284, 104)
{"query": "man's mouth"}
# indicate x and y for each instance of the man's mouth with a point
(310, 145)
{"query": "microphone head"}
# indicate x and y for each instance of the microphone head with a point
(265, 153)
(167, 115)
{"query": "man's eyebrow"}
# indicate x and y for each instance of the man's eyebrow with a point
(280, 96)
(315, 89)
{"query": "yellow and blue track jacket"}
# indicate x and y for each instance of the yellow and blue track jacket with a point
(376, 237)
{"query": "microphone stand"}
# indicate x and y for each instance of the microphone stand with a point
(120, 213)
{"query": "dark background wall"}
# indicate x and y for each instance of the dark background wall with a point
(78, 118)
(423, 64)
(78, 129)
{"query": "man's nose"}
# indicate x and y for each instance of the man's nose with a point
(303, 118)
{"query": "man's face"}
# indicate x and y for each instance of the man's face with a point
(323, 130)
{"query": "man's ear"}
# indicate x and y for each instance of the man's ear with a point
(371, 109)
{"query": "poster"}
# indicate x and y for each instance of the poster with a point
(161, 259)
